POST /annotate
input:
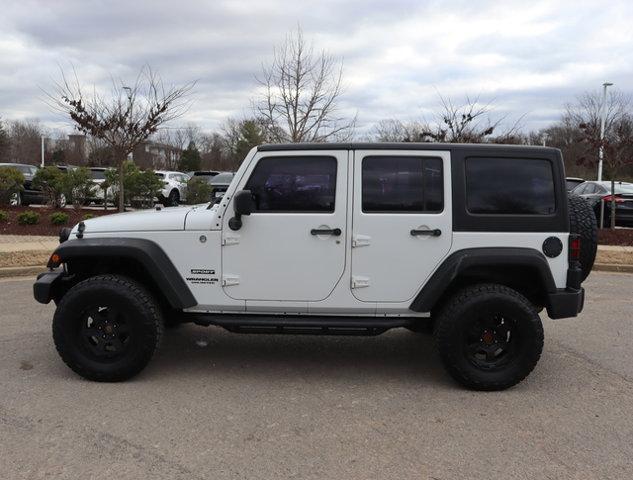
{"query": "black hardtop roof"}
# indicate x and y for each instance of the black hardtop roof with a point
(272, 147)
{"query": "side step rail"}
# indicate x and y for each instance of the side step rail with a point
(300, 324)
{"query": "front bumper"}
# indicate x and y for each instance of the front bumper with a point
(47, 285)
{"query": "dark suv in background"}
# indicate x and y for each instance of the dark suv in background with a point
(595, 192)
(29, 195)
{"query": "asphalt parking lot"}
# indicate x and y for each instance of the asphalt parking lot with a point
(218, 405)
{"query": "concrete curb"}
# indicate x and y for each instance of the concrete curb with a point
(613, 267)
(30, 271)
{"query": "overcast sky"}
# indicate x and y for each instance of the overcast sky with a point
(529, 57)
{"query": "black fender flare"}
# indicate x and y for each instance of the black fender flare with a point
(148, 253)
(462, 260)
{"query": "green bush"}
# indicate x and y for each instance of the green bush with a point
(59, 218)
(11, 183)
(198, 191)
(88, 216)
(77, 186)
(4, 216)
(140, 186)
(28, 218)
(52, 181)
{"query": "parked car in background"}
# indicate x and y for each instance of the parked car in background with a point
(596, 192)
(573, 182)
(98, 175)
(175, 187)
(220, 183)
(66, 168)
(29, 195)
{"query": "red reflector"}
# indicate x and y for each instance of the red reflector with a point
(574, 248)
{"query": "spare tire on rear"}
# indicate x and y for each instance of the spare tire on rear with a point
(582, 222)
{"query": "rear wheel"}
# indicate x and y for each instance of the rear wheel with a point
(107, 328)
(489, 337)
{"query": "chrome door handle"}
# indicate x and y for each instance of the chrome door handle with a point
(436, 232)
(326, 231)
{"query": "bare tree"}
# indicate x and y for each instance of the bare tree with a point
(25, 139)
(301, 90)
(125, 118)
(5, 144)
(179, 137)
(469, 122)
(392, 130)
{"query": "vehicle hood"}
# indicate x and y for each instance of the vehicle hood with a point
(165, 219)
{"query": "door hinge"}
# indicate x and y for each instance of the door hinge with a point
(230, 240)
(360, 241)
(228, 280)
(360, 282)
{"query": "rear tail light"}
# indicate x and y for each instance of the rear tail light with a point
(608, 198)
(574, 247)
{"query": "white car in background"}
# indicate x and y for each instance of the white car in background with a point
(98, 175)
(175, 187)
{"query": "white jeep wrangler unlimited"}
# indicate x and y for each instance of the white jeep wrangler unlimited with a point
(468, 241)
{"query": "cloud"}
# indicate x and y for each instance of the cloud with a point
(528, 57)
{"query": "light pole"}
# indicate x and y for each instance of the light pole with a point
(603, 121)
(42, 151)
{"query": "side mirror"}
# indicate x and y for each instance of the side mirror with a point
(243, 204)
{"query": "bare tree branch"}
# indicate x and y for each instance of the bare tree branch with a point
(300, 95)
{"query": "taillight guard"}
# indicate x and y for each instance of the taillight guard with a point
(574, 247)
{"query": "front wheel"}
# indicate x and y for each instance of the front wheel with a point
(489, 337)
(106, 328)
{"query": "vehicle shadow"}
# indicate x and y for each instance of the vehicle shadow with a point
(211, 351)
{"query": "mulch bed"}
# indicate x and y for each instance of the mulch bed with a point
(619, 236)
(44, 227)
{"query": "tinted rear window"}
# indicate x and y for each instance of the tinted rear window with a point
(510, 186)
(571, 184)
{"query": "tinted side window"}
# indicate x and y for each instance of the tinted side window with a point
(402, 184)
(294, 184)
(511, 186)
(590, 188)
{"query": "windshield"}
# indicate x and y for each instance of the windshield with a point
(160, 175)
(223, 178)
(97, 174)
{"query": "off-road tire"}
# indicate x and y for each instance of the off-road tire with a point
(454, 324)
(142, 316)
(582, 222)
